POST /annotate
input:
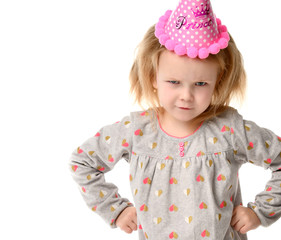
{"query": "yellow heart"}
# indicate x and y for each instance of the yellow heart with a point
(145, 235)
(219, 216)
(186, 164)
(127, 122)
(186, 191)
(91, 152)
(101, 194)
(247, 127)
(161, 166)
(210, 163)
(158, 192)
(109, 156)
(135, 191)
(154, 145)
(89, 177)
(157, 220)
(188, 219)
(112, 209)
(213, 140)
(267, 144)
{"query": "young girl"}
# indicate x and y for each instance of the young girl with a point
(185, 151)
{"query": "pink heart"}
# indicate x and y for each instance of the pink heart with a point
(111, 159)
(125, 144)
(198, 178)
(219, 178)
(251, 144)
(201, 206)
(101, 169)
(137, 132)
(80, 150)
(171, 180)
(222, 204)
(171, 208)
(171, 236)
(203, 234)
(145, 180)
(97, 134)
(142, 207)
(75, 168)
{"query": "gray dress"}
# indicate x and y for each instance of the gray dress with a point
(183, 188)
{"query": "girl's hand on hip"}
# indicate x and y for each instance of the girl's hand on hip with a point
(244, 219)
(127, 220)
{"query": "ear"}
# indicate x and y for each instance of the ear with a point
(154, 83)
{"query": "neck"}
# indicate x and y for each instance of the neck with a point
(177, 128)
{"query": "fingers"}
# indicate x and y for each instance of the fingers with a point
(238, 225)
(133, 226)
(127, 220)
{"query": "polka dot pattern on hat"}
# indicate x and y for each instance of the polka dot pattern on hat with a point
(192, 29)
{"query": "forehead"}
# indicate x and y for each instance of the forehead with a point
(172, 64)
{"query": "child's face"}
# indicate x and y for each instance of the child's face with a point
(185, 86)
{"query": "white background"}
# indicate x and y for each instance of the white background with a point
(64, 69)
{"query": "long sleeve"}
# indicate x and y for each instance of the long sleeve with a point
(260, 147)
(96, 156)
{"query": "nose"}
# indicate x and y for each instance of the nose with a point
(186, 94)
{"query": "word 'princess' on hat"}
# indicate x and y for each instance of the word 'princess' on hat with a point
(192, 29)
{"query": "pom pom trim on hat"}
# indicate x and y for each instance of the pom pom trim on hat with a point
(191, 52)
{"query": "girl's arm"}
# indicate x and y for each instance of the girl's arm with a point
(260, 147)
(97, 156)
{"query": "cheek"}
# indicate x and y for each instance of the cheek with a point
(206, 95)
(165, 95)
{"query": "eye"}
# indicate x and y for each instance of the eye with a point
(200, 83)
(174, 82)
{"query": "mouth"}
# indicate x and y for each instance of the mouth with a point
(184, 108)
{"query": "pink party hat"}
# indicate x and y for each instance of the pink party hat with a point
(192, 29)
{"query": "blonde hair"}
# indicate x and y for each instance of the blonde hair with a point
(231, 80)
